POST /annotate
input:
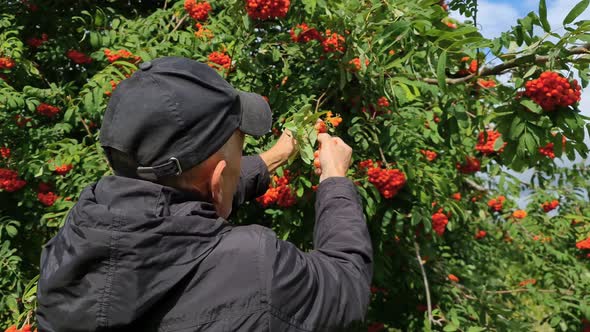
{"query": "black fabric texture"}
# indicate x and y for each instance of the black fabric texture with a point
(138, 256)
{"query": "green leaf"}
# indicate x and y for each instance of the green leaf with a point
(532, 106)
(516, 128)
(576, 11)
(543, 16)
(11, 230)
(440, 70)
(498, 144)
(68, 114)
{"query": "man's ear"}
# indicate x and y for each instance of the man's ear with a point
(217, 182)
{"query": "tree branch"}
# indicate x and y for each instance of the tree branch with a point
(426, 287)
(474, 185)
(178, 24)
(501, 68)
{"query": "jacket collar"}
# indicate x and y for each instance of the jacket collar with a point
(154, 200)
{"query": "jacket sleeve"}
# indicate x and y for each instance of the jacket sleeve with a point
(254, 180)
(329, 287)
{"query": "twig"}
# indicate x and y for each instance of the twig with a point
(179, 23)
(319, 102)
(383, 156)
(165, 4)
(428, 302)
(27, 320)
(474, 185)
(501, 68)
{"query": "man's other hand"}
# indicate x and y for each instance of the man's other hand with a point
(279, 153)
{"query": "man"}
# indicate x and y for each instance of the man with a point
(149, 249)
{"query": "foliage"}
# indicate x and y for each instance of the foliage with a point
(416, 92)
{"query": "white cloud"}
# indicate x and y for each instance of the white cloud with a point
(558, 9)
(493, 18)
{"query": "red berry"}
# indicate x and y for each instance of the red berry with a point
(6, 63)
(266, 9)
(78, 57)
(219, 59)
(302, 33)
(47, 110)
(551, 90)
(198, 11)
(485, 144)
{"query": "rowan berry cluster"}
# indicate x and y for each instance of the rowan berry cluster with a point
(527, 282)
(456, 196)
(280, 194)
(473, 64)
(333, 42)
(63, 169)
(439, 222)
(388, 181)
(430, 155)
(485, 144)
(47, 110)
(356, 64)
(486, 84)
(548, 150)
(113, 56)
(453, 277)
(471, 165)
(25, 328)
(22, 121)
(78, 57)
(383, 102)
(496, 204)
(321, 127)
(45, 195)
(9, 180)
(6, 63)
(480, 234)
(265, 9)
(334, 120)
(5, 152)
(35, 42)
(550, 206)
(584, 244)
(302, 33)
(198, 11)
(113, 87)
(203, 32)
(449, 23)
(552, 90)
(519, 214)
(219, 59)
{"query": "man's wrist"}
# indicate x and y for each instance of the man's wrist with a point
(273, 159)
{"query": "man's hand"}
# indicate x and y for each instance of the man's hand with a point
(280, 152)
(334, 157)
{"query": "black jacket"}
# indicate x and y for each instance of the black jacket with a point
(137, 256)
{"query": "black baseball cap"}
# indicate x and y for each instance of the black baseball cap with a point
(174, 113)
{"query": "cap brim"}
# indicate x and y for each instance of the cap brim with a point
(256, 114)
